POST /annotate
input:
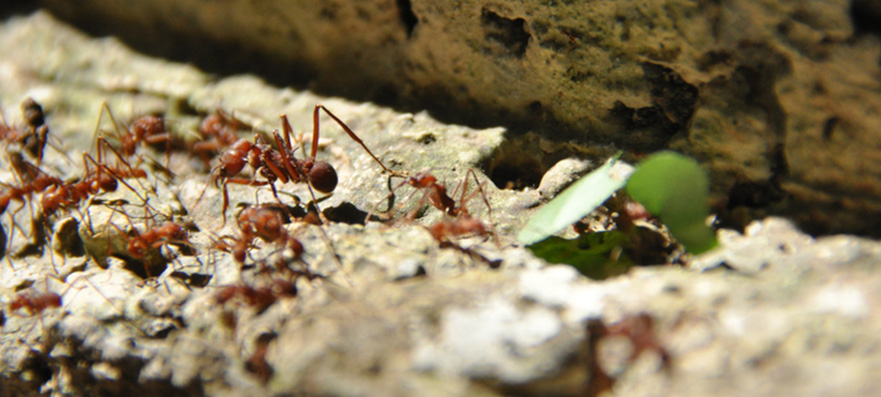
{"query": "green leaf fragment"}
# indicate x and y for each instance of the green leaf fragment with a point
(576, 202)
(593, 254)
(675, 188)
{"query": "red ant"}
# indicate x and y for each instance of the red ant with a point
(279, 164)
(445, 230)
(153, 237)
(639, 330)
(35, 303)
(263, 223)
(103, 179)
(145, 130)
(39, 184)
(141, 243)
(436, 193)
(462, 225)
(218, 132)
(31, 180)
(461, 222)
(258, 297)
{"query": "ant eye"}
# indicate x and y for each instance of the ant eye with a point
(323, 177)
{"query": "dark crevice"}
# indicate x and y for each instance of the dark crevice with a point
(346, 213)
(674, 102)
(522, 161)
(515, 173)
(753, 194)
(510, 33)
(408, 17)
(866, 16)
(18, 7)
(761, 67)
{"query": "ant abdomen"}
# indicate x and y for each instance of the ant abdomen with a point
(323, 177)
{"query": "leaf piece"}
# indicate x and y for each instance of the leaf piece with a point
(577, 201)
(675, 188)
(592, 253)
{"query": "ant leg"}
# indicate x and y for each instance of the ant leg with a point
(348, 131)
(289, 162)
(482, 192)
(238, 181)
(97, 132)
(135, 172)
(225, 202)
(390, 198)
(164, 137)
(100, 167)
(56, 144)
(116, 130)
(288, 131)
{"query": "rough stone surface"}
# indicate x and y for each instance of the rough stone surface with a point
(776, 98)
(773, 311)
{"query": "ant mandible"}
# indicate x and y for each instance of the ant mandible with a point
(279, 164)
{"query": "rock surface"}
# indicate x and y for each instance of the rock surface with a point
(777, 99)
(773, 311)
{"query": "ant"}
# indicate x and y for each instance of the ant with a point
(259, 298)
(639, 330)
(36, 131)
(39, 184)
(103, 179)
(34, 303)
(264, 223)
(31, 179)
(445, 230)
(31, 303)
(458, 220)
(140, 244)
(279, 163)
(145, 130)
(436, 193)
(218, 132)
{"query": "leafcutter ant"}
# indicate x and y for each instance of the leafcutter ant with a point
(144, 131)
(279, 164)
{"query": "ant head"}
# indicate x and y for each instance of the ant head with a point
(421, 180)
(211, 125)
(173, 231)
(137, 248)
(148, 125)
(323, 177)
